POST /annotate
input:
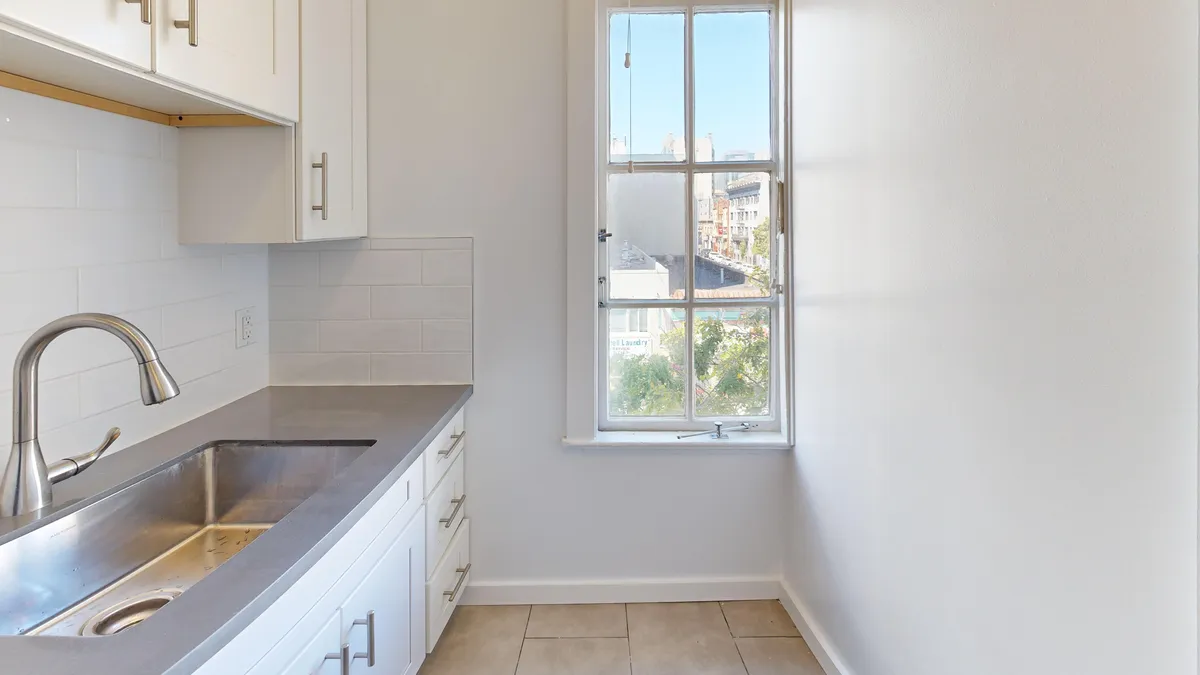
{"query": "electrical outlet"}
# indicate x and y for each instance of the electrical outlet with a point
(244, 327)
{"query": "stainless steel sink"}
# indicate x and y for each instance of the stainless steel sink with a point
(112, 563)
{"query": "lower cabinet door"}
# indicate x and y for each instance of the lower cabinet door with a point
(311, 659)
(383, 620)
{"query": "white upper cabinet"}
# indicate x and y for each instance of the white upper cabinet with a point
(243, 50)
(285, 185)
(116, 29)
(333, 121)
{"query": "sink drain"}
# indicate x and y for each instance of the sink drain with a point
(128, 613)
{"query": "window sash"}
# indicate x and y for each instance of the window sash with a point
(689, 167)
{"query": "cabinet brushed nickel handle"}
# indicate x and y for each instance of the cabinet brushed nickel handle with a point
(464, 571)
(458, 438)
(369, 622)
(458, 504)
(146, 5)
(192, 25)
(323, 165)
(342, 656)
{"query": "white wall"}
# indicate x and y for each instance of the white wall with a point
(996, 249)
(384, 311)
(467, 108)
(87, 223)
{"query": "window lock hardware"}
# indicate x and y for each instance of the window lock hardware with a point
(721, 433)
(601, 304)
(604, 235)
(601, 280)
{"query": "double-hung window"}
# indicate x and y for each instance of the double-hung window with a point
(687, 235)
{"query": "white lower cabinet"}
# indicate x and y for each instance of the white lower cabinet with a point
(384, 618)
(313, 658)
(373, 603)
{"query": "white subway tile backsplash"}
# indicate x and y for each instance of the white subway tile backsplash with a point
(119, 288)
(88, 223)
(370, 268)
(294, 268)
(446, 268)
(195, 319)
(30, 299)
(371, 336)
(123, 183)
(424, 244)
(245, 270)
(57, 238)
(445, 336)
(418, 308)
(299, 304)
(36, 175)
(421, 368)
(420, 302)
(289, 337)
(198, 359)
(318, 369)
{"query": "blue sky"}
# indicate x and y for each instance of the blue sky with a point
(732, 57)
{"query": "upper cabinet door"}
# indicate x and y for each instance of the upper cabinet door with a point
(243, 50)
(332, 133)
(112, 28)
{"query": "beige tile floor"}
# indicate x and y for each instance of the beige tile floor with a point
(689, 638)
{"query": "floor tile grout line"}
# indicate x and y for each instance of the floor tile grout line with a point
(721, 607)
(521, 651)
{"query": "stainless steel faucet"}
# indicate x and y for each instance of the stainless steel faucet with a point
(25, 485)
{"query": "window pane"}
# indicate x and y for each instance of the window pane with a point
(732, 220)
(733, 86)
(646, 253)
(647, 365)
(732, 351)
(649, 94)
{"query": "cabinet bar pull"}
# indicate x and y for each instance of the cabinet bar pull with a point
(192, 25)
(450, 450)
(458, 504)
(323, 165)
(369, 622)
(342, 656)
(464, 571)
(146, 5)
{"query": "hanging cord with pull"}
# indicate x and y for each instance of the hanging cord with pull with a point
(629, 67)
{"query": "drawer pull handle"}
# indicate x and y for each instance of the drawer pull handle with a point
(463, 572)
(146, 5)
(369, 622)
(343, 657)
(191, 26)
(323, 165)
(458, 438)
(458, 504)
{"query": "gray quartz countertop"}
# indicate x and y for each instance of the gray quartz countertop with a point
(402, 420)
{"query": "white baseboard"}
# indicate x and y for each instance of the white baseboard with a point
(818, 641)
(589, 591)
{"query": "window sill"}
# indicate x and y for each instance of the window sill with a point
(740, 440)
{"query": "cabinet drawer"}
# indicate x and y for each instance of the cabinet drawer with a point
(447, 447)
(447, 507)
(446, 586)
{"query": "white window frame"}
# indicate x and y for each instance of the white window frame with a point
(587, 173)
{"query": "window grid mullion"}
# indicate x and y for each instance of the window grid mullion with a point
(689, 133)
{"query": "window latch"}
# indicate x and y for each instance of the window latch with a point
(603, 236)
(720, 434)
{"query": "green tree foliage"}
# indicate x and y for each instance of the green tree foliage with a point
(762, 238)
(733, 369)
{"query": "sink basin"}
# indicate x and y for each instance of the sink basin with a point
(111, 564)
